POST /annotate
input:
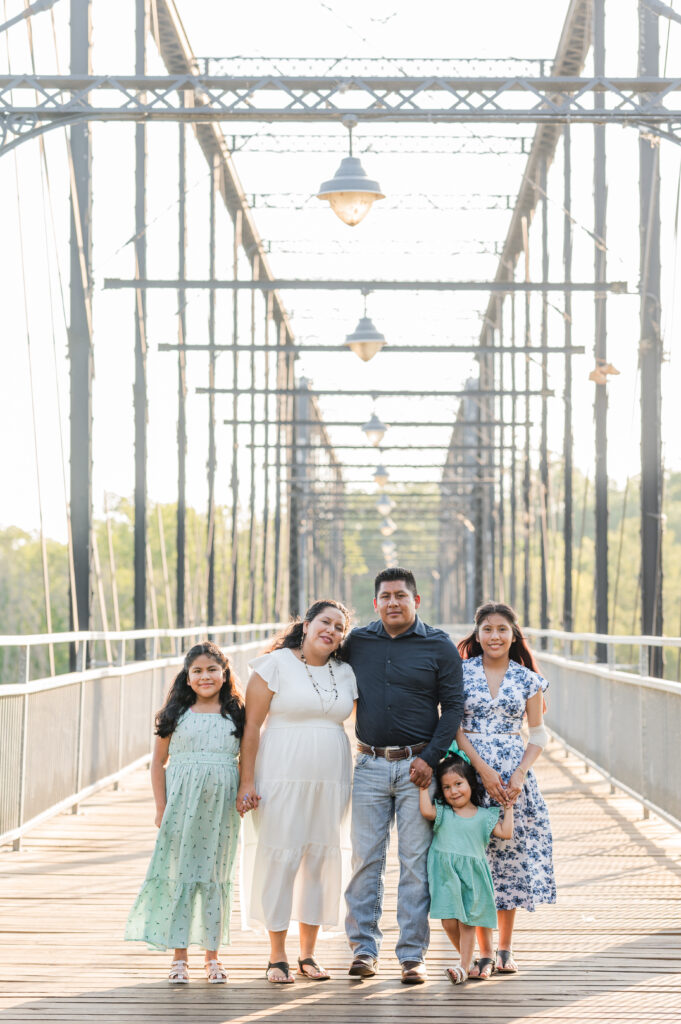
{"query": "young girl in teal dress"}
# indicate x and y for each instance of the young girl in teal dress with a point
(461, 889)
(186, 897)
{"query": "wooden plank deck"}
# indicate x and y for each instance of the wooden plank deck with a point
(610, 950)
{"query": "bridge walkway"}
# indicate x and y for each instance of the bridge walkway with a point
(608, 951)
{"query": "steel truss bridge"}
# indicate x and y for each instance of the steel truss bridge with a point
(275, 413)
(464, 488)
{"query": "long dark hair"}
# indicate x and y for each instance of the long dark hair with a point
(456, 764)
(470, 646)
(181, 696)
(292, 635)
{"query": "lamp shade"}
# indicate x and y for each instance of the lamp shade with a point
(365, 341)
(385, 505)
(350, 193)
(374, 430)
(381, 476)
(387, 527)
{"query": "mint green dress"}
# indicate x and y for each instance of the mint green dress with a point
(186, 898)
(459, 877)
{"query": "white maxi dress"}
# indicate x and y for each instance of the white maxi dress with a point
(297, 845)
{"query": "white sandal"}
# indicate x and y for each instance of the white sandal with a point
(215, 972)
(179, 975)
(457, 975)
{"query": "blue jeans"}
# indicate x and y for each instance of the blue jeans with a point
(382, 793)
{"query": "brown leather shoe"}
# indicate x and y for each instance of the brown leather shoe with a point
(363, 967)
(414, 972)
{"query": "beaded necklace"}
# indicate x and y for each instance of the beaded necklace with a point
(320, 690)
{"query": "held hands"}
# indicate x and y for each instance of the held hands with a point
(420, 773)
(495, 786)
(246, 800)
(515, 785)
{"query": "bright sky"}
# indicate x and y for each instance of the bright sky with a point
(437, 239)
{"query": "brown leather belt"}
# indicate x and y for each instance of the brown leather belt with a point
(391, 753)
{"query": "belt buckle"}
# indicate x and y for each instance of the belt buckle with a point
(389, 754)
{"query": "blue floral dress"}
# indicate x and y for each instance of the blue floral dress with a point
(186, 898)
(522, 867)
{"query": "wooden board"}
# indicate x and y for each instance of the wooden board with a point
(609, 951)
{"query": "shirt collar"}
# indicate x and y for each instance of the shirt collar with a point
(377, 627)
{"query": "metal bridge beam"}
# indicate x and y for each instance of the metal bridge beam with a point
(299, 284)
(80, 334)
(140, 398)
(372, 392)
(343, 349)
(555, 99)
(600, 350)
(475, 426)
(650, 356)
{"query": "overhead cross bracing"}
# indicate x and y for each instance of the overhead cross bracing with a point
(553, 99)
(248, 352)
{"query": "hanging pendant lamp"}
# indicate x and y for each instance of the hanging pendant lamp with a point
(384, 505)
(365, 341)
(350, 192)
(374, 430)
(387, 527)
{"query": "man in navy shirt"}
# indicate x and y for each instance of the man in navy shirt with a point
(410, 704)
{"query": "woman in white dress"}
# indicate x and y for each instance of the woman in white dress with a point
(296, 778)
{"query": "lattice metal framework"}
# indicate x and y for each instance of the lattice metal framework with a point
(29, 103)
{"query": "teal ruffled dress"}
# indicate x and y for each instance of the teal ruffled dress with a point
(458, 873)
(186, 898)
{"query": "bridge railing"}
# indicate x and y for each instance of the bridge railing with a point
(613, 715)
(64, 737)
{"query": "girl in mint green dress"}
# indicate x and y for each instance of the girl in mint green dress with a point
(186, 898)
(461, 889)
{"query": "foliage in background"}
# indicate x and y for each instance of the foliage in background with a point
(22, 608)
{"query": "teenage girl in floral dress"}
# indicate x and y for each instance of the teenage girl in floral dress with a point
(501, 685)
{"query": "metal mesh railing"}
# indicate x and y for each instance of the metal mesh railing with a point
(63, 738)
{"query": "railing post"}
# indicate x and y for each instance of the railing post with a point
(643, 660)
(121, 702)
(643, 779)
(82, 662)
(610, 655)
(152, 687)
(24, 663)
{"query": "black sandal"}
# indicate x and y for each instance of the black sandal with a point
(505, 955)
(482, 964)
(284, 968)
(310, 961)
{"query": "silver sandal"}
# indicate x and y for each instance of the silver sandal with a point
(179, 975)
(215, 972)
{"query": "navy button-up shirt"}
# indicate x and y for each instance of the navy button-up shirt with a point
(401, 682)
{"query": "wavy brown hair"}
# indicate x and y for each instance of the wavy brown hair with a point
(292, 635)
(470, 646)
